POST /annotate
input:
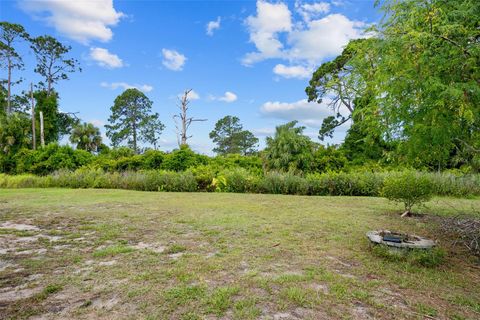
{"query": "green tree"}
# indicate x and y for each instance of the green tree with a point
(132, 120)
(86, 137)
(289, 150)
(230, 137)
(52, 63)
(340, 83)
(14, 135)
(9, 57)
(428, 78)
(56, 124)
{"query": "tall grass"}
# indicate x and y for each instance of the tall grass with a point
(241, 181)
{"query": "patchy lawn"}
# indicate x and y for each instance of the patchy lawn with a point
(111, 254)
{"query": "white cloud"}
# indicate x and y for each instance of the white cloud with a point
(271, 19)
(298, 72)
(80, 20)
(323, 38)
(227, 97)
(193, 95)
(125, 86)
(173, 60)
(105, 59)
(312, 10)
(308, 113)
(307, 42)
(213, 25)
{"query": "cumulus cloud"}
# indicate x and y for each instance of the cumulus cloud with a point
(264, 28)
(307, 42)
(323, 38)
(298, 72)
(227, 97)
(308, 113)
(80, 20)
(213, 25)
(173, 60)
(193, 95)
(125, 86)
(105, 59)
(312, 10)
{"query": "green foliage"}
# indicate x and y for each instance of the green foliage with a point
(86, 137)
(230, 137)
(14, 135)
(235, 180)
(55, 123)
(346, 184)
(51, 61)
(10, 59)
(283, 183)
(289, 150)
(408, 187)
(132, 120)
(328, 159)
(182, 159)
(427, 78)
(51, 158)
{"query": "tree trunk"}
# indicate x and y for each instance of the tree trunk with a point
(406, 214)
(42, 137)
(134, 127)
(34, 134)
(9, 85)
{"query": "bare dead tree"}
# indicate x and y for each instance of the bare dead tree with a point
(182, 121)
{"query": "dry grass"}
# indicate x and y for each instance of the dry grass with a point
(113, 254)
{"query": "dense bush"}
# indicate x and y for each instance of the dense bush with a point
(182, 159)
(408, 187)
(287, 183)
(51, 158)
(236, 180)
(229, 173)
(346, 184)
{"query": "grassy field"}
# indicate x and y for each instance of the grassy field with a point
(114, 254)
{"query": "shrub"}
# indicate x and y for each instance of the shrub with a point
(51, 158)
(345, 184)
(408, 187)
(278, 183)
(153, 159)
(236, 180)
(231, 161)
(204, 175)
(182, 159)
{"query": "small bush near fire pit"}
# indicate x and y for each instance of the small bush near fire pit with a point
(409, 187)
(418, 257)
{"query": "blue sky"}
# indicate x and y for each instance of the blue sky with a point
(244, 58)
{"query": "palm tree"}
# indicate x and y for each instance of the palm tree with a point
(87, 137)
